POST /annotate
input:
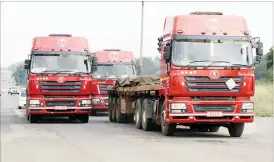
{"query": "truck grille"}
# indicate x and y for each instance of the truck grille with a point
(213, 98)
(211, 107)
(53, 86)
(205, 84)
(103, 88)
(60, 103)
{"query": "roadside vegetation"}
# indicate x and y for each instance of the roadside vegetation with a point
(264, 80)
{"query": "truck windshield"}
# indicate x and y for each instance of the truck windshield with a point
(114, 71)
(59, 63)
(227, 52)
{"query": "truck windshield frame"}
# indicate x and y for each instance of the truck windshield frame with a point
(113, 70)
(64, 63)
(227, 51)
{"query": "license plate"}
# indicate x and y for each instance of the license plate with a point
(60, 107)
(214, 114)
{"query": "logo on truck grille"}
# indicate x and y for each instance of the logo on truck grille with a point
(61, 80)
(214, 74)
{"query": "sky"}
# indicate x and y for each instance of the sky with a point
(112, 24)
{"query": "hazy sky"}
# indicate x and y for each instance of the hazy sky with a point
(112, 24)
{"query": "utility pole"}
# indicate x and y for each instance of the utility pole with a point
(141, 44)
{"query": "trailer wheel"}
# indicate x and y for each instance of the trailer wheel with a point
(33, 118)
(120, 117)
(110, 110)
(168, 129)
(113, 114)
(147, 123)
(138, 113)
(236, 129)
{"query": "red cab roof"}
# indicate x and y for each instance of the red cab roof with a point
(202, 24)
(114, 56)
(60, 43)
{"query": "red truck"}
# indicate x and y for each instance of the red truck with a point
(59, 78)
(111, 64)
(206, 81)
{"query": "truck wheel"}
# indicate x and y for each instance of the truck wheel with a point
(168, 129)
(110, 110)
(113, 110)
(19, 107)
(120, 117)
(147, 123)
(214, 129)
(84, 118)
(236, 130)
(138, 113)
(33, 118)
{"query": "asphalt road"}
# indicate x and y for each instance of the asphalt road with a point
(102, 141)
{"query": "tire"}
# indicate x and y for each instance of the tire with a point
(33, 118)
(110, 110)
(19, 107)
(214, 129)
(84, 118)
(168, 129)
(113, 114)
(236, 130)
(147, 123)
(120, 117)
(138, 114)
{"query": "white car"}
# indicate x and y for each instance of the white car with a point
(14, 90)
(22, 99)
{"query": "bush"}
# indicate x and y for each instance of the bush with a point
(263, 99)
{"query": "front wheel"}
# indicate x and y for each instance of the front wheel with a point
(236, 129)
(168, 129)
(33, 118)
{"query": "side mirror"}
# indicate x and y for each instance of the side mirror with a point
(27, 64)
(94, 64)
(259, 49)
(167, 53)
(257, 59)
(85, 61)
(138, 68)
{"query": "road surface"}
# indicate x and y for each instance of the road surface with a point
(102, 141)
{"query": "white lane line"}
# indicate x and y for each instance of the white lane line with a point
(19, 113)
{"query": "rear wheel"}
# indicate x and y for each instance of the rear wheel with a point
(147, 123)
(236, 130)
(110, 110)
(168, 129)
(120, 117)
(138, 113)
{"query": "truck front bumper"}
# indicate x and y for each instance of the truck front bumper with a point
(58, 110)
(209, 116)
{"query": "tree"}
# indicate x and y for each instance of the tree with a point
(269, 59)
(19, 74)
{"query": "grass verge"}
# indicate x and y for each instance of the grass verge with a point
(263, 99)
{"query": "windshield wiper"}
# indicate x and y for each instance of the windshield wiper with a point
(49, 71)
(79, 72)
(62, 71)
(195, 62)
(233, 65)
(214, 62)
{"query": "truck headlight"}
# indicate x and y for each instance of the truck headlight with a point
(96, 101)
(34, 102)
(248, 107)
(86, 102)
(178, 107)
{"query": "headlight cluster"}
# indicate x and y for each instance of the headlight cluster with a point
(178, 108)
(34, 103)
(85, 103)
(248, 107)
(96, 101)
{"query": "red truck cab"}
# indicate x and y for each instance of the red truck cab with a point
(59, 78)
(111, 64)
(207, 72)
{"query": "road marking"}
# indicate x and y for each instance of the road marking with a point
(19, 113)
